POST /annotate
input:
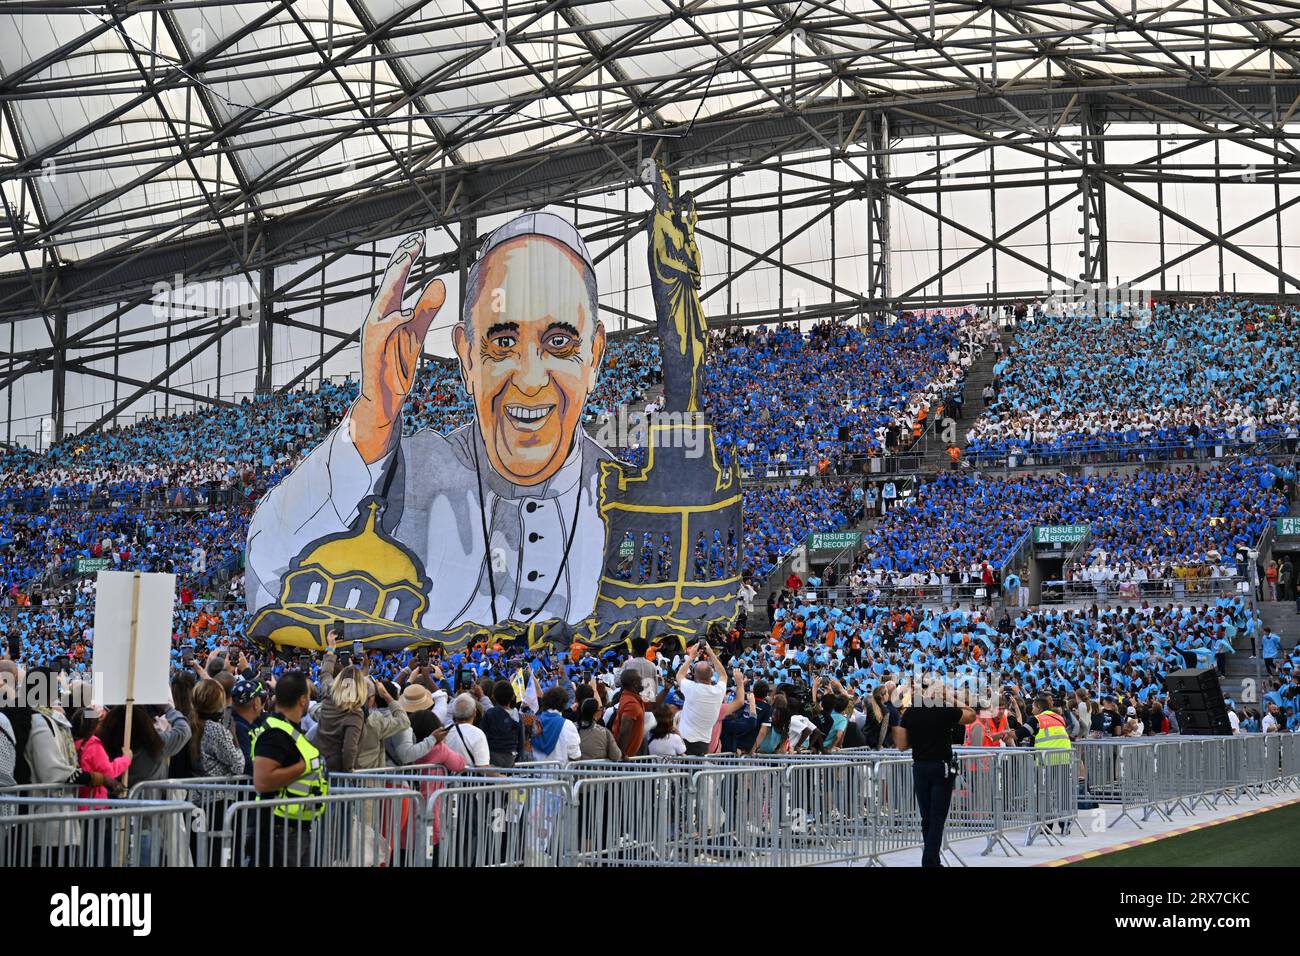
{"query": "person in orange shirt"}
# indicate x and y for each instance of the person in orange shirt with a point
(575, 652)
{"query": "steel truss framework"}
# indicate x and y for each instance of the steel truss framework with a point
(469, 110)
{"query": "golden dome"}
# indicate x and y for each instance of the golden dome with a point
(367, 551)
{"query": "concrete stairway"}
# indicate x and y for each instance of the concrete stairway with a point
(979, 375)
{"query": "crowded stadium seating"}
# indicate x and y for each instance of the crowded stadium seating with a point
(835, 395)
(1180, 376)
(1100, 650)
(1152, 520)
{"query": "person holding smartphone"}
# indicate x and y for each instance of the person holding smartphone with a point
(703, 696)
(926, 728)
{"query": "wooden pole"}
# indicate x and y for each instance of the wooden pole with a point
(130, 668)
(130, 705)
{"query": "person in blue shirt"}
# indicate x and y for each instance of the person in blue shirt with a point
(1269, 646)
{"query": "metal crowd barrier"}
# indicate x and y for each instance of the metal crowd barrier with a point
(808, 809)
(1162, 774)
(84, 832)
(365, 827)
(476, 820)
(800, 809)
(208, 798)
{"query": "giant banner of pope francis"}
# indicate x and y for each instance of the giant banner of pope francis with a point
(517, 526)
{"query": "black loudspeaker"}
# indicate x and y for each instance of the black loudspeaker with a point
(1198, 699)
(1204, 680)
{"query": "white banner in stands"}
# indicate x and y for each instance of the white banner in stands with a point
(113, 661)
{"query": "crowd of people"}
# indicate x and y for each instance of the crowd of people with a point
(204, 548)
(832, 397)
(778, 518)
(826, 679)
(1172, 377)
(1143, 520)
(1098, 649)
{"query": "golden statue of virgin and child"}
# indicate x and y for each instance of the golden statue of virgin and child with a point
(675, 281)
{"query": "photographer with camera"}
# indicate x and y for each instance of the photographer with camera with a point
(703, 697)
(927, 728)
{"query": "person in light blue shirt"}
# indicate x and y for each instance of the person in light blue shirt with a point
(1270, 646)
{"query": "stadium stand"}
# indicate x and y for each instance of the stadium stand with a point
(1159, 381)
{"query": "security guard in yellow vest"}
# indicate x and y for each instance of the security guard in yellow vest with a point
(1052, 733)
(286, 766)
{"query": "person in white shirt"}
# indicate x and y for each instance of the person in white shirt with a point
(1132, 726)
(801, 729)
(1234, 720)
(1269, 724)
(664, 740)
(703, 697)
(747, 593)
(466, 739)
(559, 738)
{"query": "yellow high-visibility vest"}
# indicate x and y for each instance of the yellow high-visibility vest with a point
(311, 783)
(1052, 734)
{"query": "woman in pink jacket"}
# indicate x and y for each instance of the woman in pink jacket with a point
(91, 755)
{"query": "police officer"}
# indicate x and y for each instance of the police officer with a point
(286, 767)
(927, 727)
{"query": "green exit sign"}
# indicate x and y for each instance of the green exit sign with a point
(1060, 533)
(1288, 527)
(833, 540)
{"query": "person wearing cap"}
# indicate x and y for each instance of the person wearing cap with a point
(245, 711)
(1132, 722)
(502, 512)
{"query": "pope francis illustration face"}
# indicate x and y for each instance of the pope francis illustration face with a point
(530, 346)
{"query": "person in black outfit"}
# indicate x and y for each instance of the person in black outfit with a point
(277, 762)
(927, 728)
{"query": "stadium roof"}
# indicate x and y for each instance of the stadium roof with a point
(140, 136)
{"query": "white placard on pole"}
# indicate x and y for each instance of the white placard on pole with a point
(119, 674)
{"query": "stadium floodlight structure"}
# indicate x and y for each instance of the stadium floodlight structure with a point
(848, 157)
